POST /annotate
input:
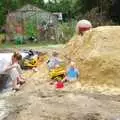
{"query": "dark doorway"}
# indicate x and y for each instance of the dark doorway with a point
(3, 81)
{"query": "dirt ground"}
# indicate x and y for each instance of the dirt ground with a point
(38, 100)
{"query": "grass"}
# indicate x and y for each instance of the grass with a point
(29, 45)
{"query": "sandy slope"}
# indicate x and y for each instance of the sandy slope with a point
(97, 55)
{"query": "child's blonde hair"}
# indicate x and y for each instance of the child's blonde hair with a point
(72, 63)
(17, 56)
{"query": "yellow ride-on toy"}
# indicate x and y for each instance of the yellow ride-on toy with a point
(58, 73)
(33, 59)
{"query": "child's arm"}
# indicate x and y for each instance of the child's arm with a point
(59, 60)
(10, 67)
(20, 72)
(77, 71)
(19, 69)
(21, 77)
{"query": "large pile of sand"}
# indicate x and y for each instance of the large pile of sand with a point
(97, 55)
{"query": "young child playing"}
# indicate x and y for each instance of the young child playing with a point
(54, 61)
(15, 71)
(72, 73)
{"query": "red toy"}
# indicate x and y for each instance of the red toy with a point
(59, 85)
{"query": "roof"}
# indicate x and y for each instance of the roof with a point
(29, 8)
(29, 12)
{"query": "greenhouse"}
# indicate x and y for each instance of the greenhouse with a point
(31, 23)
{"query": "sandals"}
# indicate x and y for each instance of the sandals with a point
(16, 89)
(51, 83)
(65, 81)
(22, 82)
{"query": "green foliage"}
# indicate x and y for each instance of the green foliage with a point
(30, 29)
(76, 9)
(68, 29)
(64, 6)
(7, 6)
(39, 3)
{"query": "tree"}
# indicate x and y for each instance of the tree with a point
(69, 8)
(114, 11)
(64, 6)
(7, 6)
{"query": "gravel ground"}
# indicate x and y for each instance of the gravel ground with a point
(38, 100)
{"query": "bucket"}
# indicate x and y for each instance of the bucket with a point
(59, 85)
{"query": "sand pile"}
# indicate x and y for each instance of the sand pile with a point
(97, 55)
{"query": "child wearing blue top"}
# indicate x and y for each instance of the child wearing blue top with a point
(72, 73)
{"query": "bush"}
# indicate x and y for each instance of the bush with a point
(66, 31)
(97, 18)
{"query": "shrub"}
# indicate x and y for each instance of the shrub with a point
(66, 31)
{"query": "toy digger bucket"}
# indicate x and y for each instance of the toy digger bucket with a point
(34, 62)
(59, 85)
(57, 73)
(29, 63)
(41, 59)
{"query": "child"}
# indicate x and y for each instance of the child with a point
(15, 71)
(54, 61)
(72, 73)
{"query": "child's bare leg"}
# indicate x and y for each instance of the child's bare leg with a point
(52, 81)
(15, 85)
(22, 78)
(20, 81)
(65, 79)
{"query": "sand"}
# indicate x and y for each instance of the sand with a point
(97, 55)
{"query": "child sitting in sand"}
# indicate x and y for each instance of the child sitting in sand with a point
(15, 71)
(72, 73)
(54, 61)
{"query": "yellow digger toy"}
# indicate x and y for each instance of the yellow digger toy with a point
(33, 59)
(57, 73)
